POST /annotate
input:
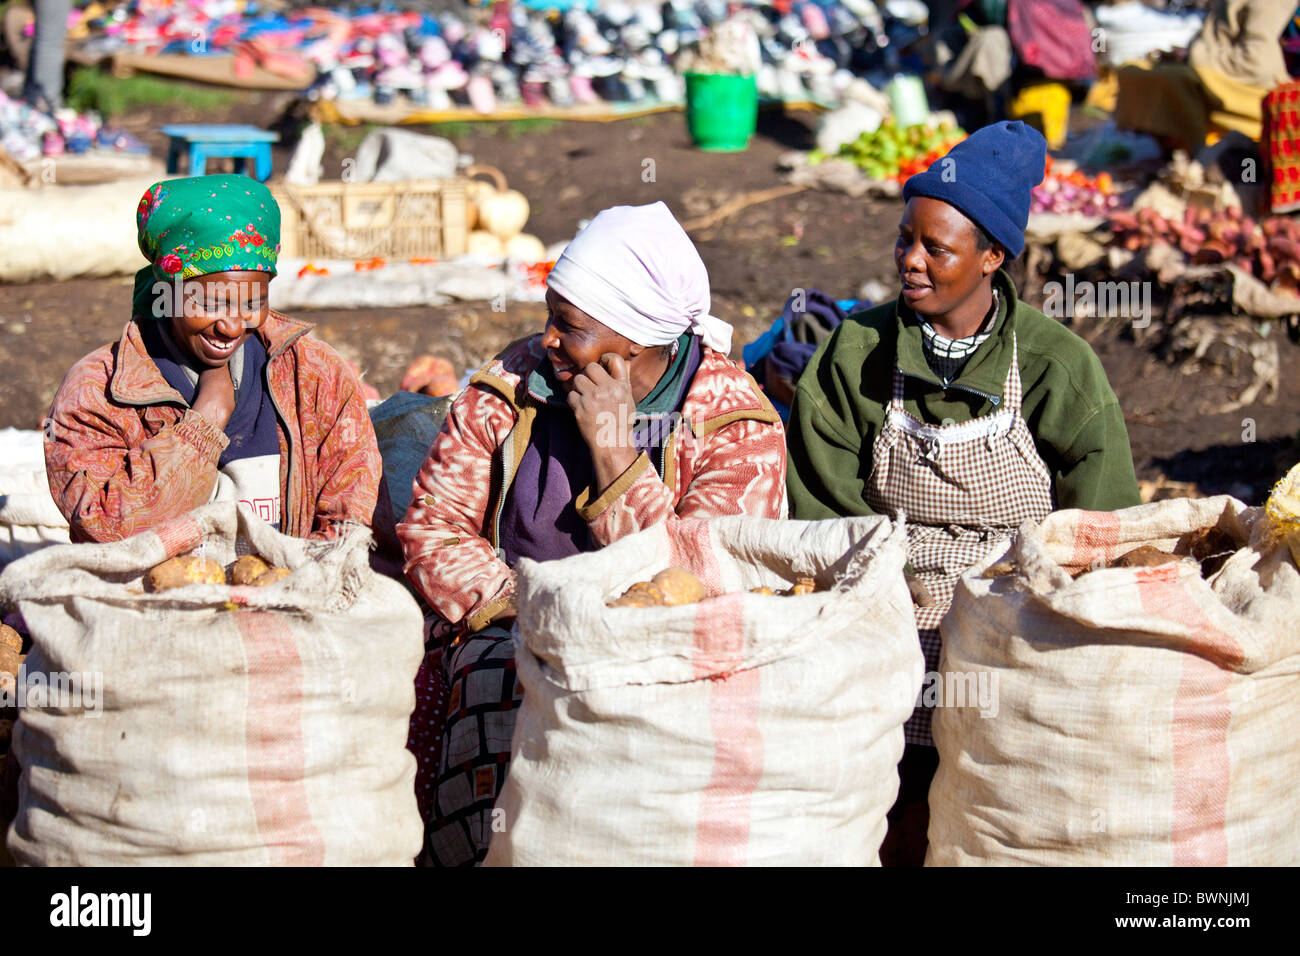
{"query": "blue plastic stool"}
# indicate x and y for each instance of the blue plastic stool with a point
(205, 141)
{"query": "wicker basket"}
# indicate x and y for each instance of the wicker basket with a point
(402, 220)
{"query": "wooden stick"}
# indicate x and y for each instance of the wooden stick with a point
(729, 209)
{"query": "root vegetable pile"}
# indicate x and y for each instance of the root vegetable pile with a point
(1269, 250)
(676, 586)
(668, 588)
(247, 571)
(801, 586)
(1209, 547)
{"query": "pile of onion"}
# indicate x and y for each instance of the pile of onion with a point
(1073, 192)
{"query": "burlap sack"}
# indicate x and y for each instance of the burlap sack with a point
(235, 726)
(746, 729)
(29, 518)
(1144, 716)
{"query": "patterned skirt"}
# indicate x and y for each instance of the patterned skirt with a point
(473, 699)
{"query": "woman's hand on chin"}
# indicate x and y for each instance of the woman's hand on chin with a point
(601, 398)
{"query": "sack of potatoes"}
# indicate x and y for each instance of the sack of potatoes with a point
(1145, 667)
(780, 657)
(268, 680)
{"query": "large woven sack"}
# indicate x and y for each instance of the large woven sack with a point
(29, 518)
(1144, 716)
(746, 729)
(235, 725)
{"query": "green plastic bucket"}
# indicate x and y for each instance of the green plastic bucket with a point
(721, 111)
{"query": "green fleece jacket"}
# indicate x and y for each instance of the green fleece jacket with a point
(842, 397)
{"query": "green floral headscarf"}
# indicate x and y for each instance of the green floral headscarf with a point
(204, 224)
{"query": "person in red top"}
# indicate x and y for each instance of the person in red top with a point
(623, 413)
(210, 395)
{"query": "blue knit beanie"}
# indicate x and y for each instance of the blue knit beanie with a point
(989, 176)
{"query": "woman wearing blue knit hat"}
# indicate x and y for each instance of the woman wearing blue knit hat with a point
(956, 405)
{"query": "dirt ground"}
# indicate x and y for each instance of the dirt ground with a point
(1177, 410)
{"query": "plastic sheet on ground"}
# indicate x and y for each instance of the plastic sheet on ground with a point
(1255, 298)
(835, 175)
(1050, 226)
(396, 155)
(846, 124)
(301, 285)
(70, 231)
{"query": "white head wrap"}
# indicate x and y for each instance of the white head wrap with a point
(635, 270)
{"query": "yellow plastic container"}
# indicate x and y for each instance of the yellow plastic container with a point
(1045, 106)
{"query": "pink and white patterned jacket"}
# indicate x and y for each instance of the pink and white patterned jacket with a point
(123, 453)
(725, 457)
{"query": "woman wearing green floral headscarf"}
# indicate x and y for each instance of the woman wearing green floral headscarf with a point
(210, 395)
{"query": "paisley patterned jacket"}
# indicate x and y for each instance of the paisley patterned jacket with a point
(725, 456)
(123, 452)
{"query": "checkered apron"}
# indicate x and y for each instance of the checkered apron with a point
(963, 489)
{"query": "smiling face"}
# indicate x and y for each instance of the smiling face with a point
(573, 340)
(941, 266)
(217, 312)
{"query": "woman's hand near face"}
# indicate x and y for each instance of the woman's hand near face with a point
(602, 403)
(216, 398)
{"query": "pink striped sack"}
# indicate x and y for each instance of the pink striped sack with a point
(1145, 716)
(234, 726)
(744, 730)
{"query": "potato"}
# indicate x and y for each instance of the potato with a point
(10, 660)
(181, 572)
(247, 569)
(921, 595)
(271, 576)
(803, 586)
(679, 586)
(1144, 557)
(640, 594)
(998, 570)
(767, 591)
(639, 599)
(11, 638)
(1210, 546)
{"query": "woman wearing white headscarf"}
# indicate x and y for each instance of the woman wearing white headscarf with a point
(623, 412)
